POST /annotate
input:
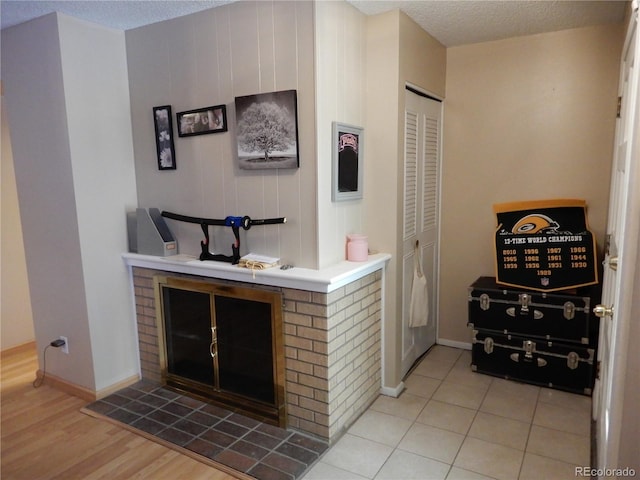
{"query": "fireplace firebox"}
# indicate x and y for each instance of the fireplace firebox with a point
(223, 342)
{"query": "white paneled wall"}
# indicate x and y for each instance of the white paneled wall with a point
(206, 59)
(340, 93)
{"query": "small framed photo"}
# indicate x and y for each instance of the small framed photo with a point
(202, 121)
(347, 162)
(162, 120)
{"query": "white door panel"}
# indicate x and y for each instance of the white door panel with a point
(620, 261)
(423, 133)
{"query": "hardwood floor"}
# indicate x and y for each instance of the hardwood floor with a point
(44, 436)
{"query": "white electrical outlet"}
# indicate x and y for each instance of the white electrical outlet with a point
(65, 347)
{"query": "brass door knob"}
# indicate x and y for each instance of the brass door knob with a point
(602, 311)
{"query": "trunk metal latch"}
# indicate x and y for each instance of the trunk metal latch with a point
(488, 345)
(537, 314)
(572, 360)
(540, 362)
(485, 301)
(569, 310)
(525, 300)
(529, 347)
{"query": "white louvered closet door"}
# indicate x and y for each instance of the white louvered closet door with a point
(422, 158)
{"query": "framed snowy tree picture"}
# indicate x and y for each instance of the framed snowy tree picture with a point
(267, 130)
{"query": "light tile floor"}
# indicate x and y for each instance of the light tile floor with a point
(451, 423)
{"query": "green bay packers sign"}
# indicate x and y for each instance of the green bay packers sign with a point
(544, 245)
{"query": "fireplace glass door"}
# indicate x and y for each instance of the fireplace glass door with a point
(187, 317)
(244, 346)
(223, 342)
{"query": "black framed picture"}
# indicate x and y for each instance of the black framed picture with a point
(347, 164)
(202, 121)
(162, 120)
(267, 130)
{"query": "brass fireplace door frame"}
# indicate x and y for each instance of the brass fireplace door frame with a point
(273, 413)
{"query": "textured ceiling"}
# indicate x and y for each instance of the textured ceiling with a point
(462, 22)
(118, 14)
(453, 23)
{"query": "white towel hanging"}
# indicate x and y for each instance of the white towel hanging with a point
(419, 305)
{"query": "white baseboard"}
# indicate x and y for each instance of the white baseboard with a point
(454, 344)
(392, 392)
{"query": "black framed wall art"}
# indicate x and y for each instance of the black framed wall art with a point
(166, 154)
(267, 130)
(347, 162)
(202, 121)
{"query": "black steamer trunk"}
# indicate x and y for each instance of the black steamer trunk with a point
(547, 339)
(561, 366)
(551, 316)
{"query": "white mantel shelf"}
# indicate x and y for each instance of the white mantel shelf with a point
(324, 280)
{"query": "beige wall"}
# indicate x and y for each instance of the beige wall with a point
(525, 118)
(423, 61)
(75, 180)
(630, 431)
(392, 42)
(34, 89)
(206, 59)
(382, 180)
(16, 319)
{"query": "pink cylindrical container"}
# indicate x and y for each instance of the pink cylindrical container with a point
(357, 248)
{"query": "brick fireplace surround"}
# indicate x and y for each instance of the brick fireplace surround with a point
(332, 333)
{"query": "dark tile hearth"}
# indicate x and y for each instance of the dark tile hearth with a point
(258, 449)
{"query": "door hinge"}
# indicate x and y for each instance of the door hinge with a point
(619, 110)
(598, 370)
